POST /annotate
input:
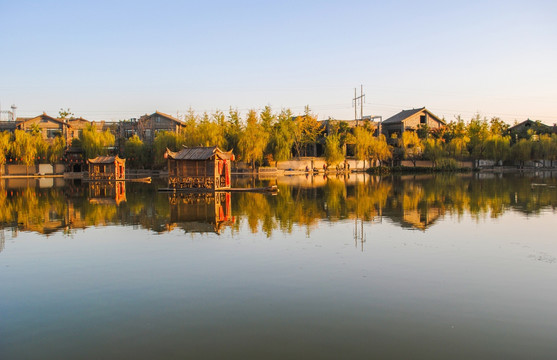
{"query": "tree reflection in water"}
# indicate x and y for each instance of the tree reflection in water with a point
(413, 202)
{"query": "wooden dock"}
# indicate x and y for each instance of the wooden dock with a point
(140, 180)
(269, 189)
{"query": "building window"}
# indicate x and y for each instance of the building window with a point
(52, 133)
(423, 119)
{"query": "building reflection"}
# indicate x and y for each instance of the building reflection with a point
(112, 192)
(201, 212)
(410, 202)
(421, 218)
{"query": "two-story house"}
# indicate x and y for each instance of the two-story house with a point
(410, 120)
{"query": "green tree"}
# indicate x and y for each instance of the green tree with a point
(498, 127)
(24, 147)
(433, 150)
(165, 140)
(253, 140)
(333, 151)
(135, 152)
(423, 131)
(211, 130)
(306, 131)
(412, 146)
(190, 132)
(369, 147)
(478, 132)
(56, 149)
(233, 129)
(95, 142)
(5, 145)
(64, 114)
(522, 151)
(282, 136)
(363, 139)
(497, 147)
(268, 119)
(380, 150)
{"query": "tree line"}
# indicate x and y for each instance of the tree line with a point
(265, 137)
(259, 138)
(30, 147)
(262, 138)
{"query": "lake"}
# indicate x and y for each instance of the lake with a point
(415, 266)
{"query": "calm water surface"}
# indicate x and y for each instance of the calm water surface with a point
(460, 266)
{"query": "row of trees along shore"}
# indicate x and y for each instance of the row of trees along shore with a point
(266, 137)
(30, 147)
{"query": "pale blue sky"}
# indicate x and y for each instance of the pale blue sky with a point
(118, 59)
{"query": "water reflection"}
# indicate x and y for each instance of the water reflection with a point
(413, 202)
(107, 192)
(200, 212)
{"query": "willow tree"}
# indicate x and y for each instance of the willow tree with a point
(363, 139)
(166, 140)
(56, 150)
(433, 150)
(95, 142)
(380, 150)
(497, 147)
(545, 148)
(522, 151)
(5, 141)
(135, 152)
(412, 146)
(24, 147)
(333, 150)
(253, 140)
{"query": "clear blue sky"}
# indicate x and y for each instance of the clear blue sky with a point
(118, 59)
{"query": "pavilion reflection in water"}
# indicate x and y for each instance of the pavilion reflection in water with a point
(201, 212)
(107, 192)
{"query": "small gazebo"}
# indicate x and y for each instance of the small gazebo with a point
(107, 168)
(199, 167)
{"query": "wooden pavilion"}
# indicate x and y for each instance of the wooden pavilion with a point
(107, 168)
(199, 168)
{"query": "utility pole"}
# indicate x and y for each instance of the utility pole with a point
(362, 102)
(355, 108)
(361, 98)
